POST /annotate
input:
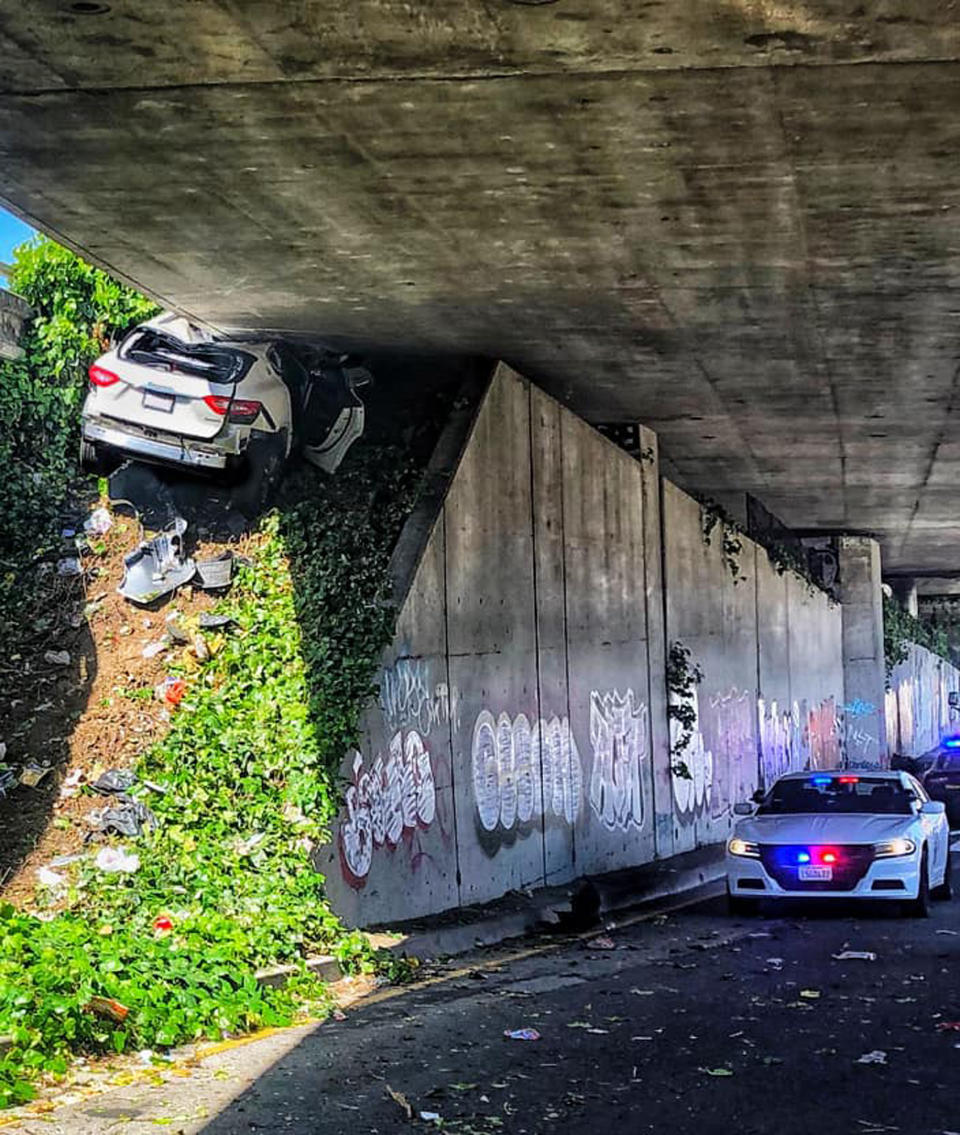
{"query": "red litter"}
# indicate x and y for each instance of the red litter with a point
(602, 944)
(107, 1007)
(163, 924)
(949, 1026)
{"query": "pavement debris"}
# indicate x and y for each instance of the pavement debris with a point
(855, 956)
(877, 1056)
(57, 657)
(521, 1034)
(158, 566)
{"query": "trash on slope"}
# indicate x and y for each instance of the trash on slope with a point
(854, 956)
(158, 566)
(521, 1034)
(877, 1056)
(155, 648)
(69, 566)
(216, 574)
(208, 622)
(107, 1007)
(170, 691)
(114, 780)
(33, 773)
(8, 778)
(57, 657)
(113, 860)
(98, 523)
(48, 878)
(127, 817)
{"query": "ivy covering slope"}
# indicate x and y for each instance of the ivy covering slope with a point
(248, 770)
(900, 629)
(77, 307)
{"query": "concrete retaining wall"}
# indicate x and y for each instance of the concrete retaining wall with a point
(521, 735)
(917, 704)
(769, 647)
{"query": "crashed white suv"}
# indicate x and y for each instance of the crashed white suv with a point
(171, 394)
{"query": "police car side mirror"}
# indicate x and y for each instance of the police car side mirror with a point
(743, 809)
(933, 807)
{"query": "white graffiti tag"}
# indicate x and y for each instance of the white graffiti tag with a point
(618, 734)
(409, 700)
(693, 784)
(385, 800)
(508, 755)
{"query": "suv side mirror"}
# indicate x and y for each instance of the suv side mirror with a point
(933, 807)
(743, 809)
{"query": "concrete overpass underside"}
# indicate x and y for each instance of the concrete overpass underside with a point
(733, 220)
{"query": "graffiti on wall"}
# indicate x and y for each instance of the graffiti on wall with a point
(692, 772)
(522, 771)
(386, 802)
(862, 749)
(797, 738)
(410, 700)
(619, 739)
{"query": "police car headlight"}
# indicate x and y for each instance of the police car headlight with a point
(891, 848)
(744, 847)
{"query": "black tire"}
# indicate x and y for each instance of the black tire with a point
(944, 892)
(91, 459)
(740, 907)
(920, 906)
(264, 464)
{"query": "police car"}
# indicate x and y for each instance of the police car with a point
(840, 835)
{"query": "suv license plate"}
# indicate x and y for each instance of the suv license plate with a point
(815, 874)
(154, 401)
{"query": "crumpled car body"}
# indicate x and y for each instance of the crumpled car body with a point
(169, 393)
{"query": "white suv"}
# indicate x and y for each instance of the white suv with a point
(168, 393)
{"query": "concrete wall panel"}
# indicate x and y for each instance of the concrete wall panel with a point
(607, 648)
(395, 851)
(918, 711)
(491, 625)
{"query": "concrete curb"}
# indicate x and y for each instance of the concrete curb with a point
(583, 903)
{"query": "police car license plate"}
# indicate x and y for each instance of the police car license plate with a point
(815, 874)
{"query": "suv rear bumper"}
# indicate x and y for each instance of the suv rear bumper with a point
(174, 452)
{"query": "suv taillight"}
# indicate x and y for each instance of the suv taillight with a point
(100, 376)
(241, 411)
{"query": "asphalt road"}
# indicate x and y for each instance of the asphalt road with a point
(688, 1025)
(692, 1023)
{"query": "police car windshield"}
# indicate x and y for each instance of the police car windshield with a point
(828, 795)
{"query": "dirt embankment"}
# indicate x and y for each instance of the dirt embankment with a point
(80, 697)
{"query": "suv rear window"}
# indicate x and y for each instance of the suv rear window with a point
(828, 795)
(212, 361)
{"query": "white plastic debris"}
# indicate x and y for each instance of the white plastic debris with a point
(855, 956)
(57, 657)
(98, 522)
(48, 878)
(155, 648)
(69, 566)
(878, 1056)
(430, 1116)
(775, 963)
(114, 859)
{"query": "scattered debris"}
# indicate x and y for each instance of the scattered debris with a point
(760, 934)
(602, 943)
(949, 1026)
(128, 817)
(163, 924)
(49, 878)
(107, 1007)
(217, 574)
(155, 648)
(71, 784)
(810, 994)
(157, 567)
(114, 780)
(209, 622)
(953, 933)
(855, 956)
(875, 1057)
(33, 773)
(401, 1101)
(521, 1034)
(774, 963)
(113, 860)
(339, 1015)
(69, 566)
(57, 657)
(171, 691)
(430, 1116)
(98, 523)
(716, 1071)
(8, 778)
